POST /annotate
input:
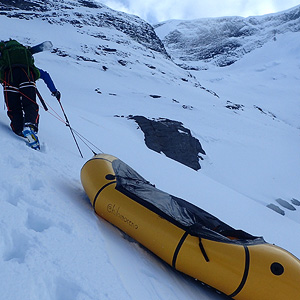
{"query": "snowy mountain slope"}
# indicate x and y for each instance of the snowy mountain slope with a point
(88, 17)
(266, 85)
(46, 217)
(202, 43)
(52, 244)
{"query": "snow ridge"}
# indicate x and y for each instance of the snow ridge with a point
(198, 44)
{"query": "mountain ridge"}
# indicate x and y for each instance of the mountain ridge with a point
(202, 43)
(95, 15)
(192, 44)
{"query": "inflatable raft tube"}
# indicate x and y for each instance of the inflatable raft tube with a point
(240, 265)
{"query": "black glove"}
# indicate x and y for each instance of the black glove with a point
(57, 95)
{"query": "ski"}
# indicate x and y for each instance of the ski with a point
(44, 46)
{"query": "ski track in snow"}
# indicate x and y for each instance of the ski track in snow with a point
(54, 247)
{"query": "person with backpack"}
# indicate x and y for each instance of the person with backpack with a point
(18, 75)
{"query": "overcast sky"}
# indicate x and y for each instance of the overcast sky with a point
(155, 11)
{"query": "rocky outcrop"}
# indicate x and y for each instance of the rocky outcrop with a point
(27, 5)
(285, 204)
(171, 138)
(95, 15)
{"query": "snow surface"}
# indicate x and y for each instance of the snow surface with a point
(53, 246)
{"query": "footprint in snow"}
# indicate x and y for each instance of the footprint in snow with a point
(13, 162)
(37, 223)
(17, 248)
(36, 183)
(66, 289)
(10, 193)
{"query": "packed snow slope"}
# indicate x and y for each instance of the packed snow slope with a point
(54, 247)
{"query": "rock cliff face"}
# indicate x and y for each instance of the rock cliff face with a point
(196, 44)
(10, 5)
(94, 15)
(173, 139)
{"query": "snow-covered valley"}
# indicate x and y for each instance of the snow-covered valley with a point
(53, 246)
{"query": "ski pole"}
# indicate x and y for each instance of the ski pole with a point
(41, 99)
(68, 124)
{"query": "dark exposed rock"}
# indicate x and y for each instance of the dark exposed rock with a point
(234, 106)
(265, 113)
(37, 5)
(189, 107)
(122, 62)
(90, 4)
(150, 67)
(296, 202)
(276, 208)
(172, 139)
(59, 52)
(109, 49)
(80, 57)
(285, 204)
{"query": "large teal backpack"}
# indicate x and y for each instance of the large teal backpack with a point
(13, 53)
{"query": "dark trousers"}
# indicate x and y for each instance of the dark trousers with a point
(20, 98)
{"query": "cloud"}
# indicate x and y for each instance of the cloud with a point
(280, 5)
(161, 10)
(116, 5)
